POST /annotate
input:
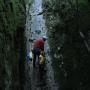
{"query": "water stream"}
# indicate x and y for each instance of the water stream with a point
(35, 27)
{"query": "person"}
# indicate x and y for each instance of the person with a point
(38, 45)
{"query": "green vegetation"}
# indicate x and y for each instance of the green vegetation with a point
(12, 45)
(68, 23)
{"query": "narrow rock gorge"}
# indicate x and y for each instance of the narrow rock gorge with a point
(66, 23)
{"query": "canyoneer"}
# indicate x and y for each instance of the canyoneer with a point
(38, 51)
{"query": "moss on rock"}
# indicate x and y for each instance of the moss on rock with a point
(67, 29)
(12, 22)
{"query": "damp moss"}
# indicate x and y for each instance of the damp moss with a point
(12, 17)
(65, 20)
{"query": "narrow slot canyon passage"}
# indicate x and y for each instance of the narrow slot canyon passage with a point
(35, 25)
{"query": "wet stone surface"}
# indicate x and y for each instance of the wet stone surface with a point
(36, 28)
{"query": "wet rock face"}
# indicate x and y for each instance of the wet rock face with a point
(69, 40)
(12, 18)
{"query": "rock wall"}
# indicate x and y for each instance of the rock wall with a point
(12, 45)
(68, 24)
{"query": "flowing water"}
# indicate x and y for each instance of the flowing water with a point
(35, 27)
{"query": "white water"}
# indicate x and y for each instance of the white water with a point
(37, 23)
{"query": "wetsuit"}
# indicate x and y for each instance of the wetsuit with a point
(38, 44)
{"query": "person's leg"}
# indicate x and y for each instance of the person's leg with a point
(36, 52)
(34, 60)
(34, 57)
